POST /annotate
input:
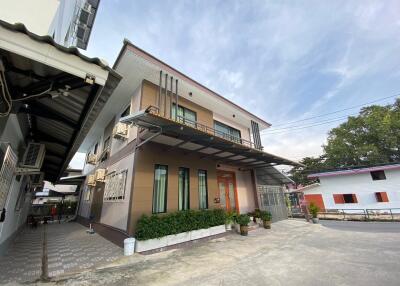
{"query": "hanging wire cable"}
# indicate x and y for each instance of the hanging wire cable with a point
(303, 127)
(337, 111)
(310, 124)
(35, 95)
(5, 95)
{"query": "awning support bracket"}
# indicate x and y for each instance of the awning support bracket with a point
(159, 132)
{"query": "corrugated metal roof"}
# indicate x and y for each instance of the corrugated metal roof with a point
(58, 120)
(19, 27)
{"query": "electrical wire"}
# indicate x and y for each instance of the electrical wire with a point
(5, 94)
(310, 124)
(337, 111)
(35, 95)
(304, 127)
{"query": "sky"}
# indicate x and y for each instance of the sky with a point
(285, 61)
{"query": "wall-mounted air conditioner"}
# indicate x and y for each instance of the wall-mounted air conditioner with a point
(120, 131)
(99, 175)
(92, 159)
(37, 180)
(33, 157)
(91, 180)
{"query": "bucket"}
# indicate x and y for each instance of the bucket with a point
(129, 246)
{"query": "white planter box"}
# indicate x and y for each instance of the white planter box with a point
(200, 233)
(178, 238)
(150, 244)
(217, 229)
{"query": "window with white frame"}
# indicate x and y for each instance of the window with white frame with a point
(114, 189)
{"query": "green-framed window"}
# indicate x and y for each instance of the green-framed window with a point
(203, 189)
(160, 188)
(183, 189)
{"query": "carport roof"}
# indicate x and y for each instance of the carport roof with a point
(54, 101)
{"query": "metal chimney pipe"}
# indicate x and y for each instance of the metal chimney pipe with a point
(177, 96)
(159, 93)
(171, 97)
(165, 94)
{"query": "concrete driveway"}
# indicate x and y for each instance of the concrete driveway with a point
(361, 226)
(292, 253)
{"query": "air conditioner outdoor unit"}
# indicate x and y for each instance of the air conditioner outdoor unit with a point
(91, 180)
(92, 159)
(33, 157)
(100, 174)
(120, 131)
(37, 179)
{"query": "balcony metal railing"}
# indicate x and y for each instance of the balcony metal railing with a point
(207, 129)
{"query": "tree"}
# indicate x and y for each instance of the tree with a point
(370, 138)
(311, 165)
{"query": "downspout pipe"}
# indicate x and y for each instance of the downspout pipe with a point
(165, 94)
(171, 98)
(177, 96)
(159, 93)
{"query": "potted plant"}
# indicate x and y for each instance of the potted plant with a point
(266, 219)
(314, 209)
(229, 219)
(257, 214)
(243, 220)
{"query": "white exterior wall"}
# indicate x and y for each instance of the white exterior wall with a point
(15, 217)
(116, 213)
(37, 15)
(363, 187)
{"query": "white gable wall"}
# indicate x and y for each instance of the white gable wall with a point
(363, 187)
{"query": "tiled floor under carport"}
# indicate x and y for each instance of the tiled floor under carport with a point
(69, 249)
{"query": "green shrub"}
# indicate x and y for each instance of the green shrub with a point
(265, 216)
(314, 209)
(159, 225)
(243, 219)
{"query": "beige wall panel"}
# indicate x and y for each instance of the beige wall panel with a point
(150, 93)
(151, 154)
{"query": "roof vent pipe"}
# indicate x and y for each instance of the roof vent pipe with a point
(158, 103)
(165, 94)
(171, 97)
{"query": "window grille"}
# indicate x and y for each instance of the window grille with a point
(8, 160)
(114, 189)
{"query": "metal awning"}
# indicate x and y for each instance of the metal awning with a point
(271, 176)
(56, 92)
(71, 180)
(196, 137)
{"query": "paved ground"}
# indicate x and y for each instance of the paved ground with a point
(360, 226)
(69, 248)
(292, 253)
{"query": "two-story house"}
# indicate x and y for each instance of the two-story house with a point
(164, 142)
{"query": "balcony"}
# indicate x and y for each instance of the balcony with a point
(190, 135)
(207, 129)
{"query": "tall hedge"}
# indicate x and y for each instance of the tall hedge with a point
(159, 225)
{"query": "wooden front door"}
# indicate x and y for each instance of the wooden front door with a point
(227, 190)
